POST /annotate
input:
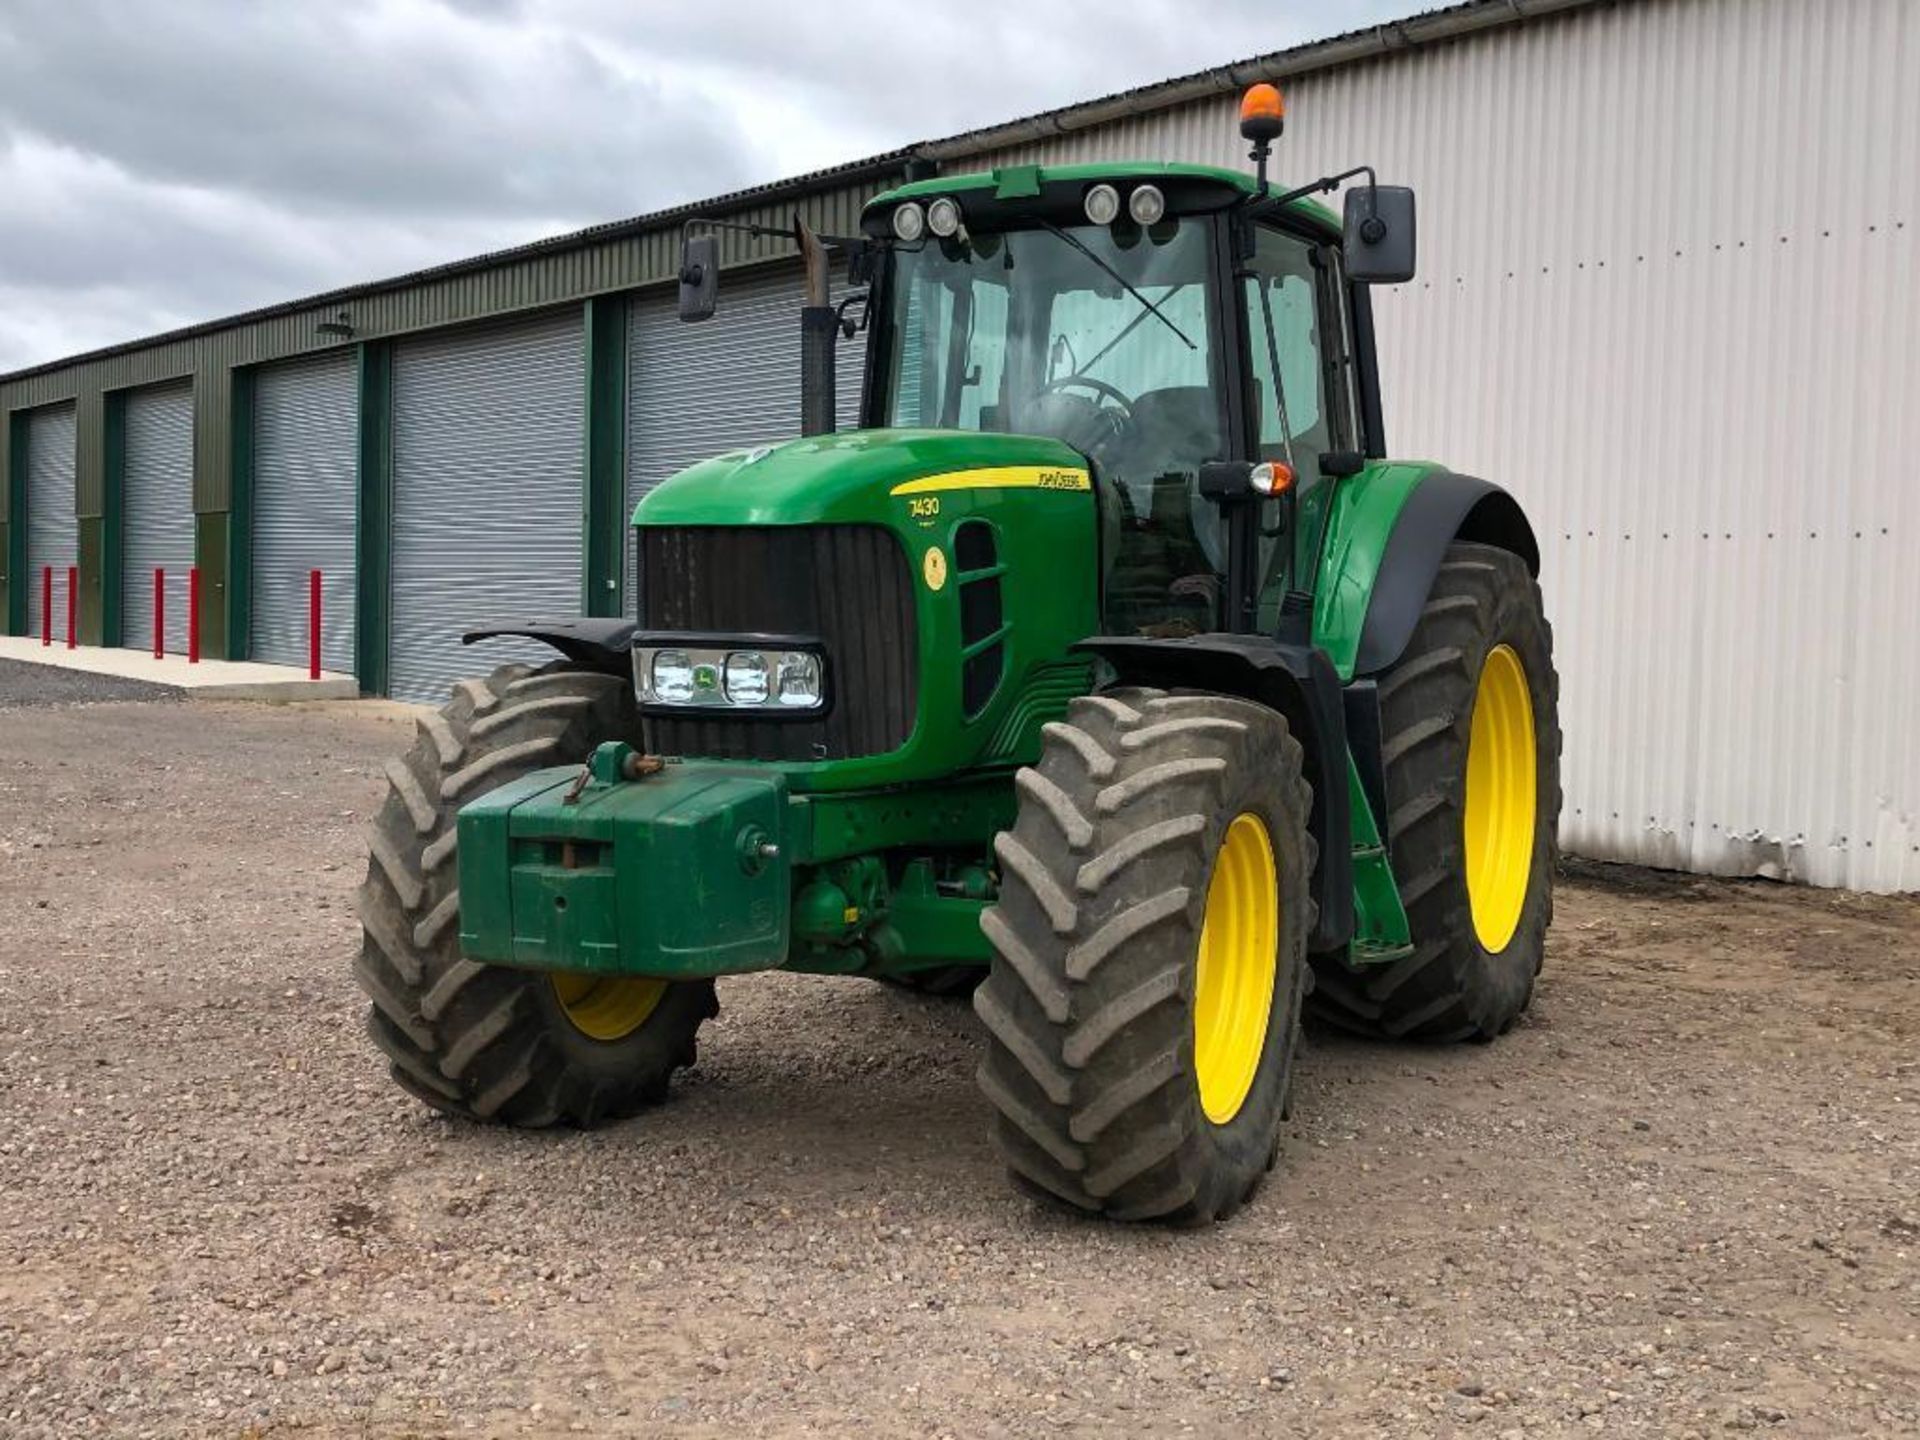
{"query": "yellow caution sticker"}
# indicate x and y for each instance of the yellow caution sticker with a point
(999, 477)
(934, 567)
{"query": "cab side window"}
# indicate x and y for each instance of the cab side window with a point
(1302, 399)
(1294, 411)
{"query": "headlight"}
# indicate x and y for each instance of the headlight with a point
(1103, 204)
(909, 222)
(746, 678)
(707, 673)
(799, 680)
(672, 676)
(1146, 204)
(943, 216)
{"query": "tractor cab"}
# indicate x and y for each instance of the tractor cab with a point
(1114, 308)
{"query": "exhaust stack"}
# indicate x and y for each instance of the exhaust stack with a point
(818, 327)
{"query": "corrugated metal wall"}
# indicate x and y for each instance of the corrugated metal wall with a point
(1669, 290)
(305, 503)
(158, 534)
(53, 534)
(488, 459)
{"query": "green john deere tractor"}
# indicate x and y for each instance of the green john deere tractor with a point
(1110, 671)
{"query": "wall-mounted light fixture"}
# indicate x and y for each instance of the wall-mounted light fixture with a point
(341, 326)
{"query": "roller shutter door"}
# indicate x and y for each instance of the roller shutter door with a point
(695, 391)
(52, 532)
(304, 508)
(158, 527)
(488, 448)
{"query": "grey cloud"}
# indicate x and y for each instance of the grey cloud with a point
(327, 106)
(167, 163)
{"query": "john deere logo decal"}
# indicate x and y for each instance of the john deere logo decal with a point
(934, 567)
(706, 677)
(997, 477)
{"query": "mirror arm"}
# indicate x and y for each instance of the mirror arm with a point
(768, 232)
(851, 328)
(1263, 205)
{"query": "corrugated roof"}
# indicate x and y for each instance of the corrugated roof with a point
(1349, 47)
(573, 240)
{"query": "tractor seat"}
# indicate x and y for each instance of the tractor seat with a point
(1160, 542)
(1173, 429)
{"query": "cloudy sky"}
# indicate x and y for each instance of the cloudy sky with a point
(168, 161)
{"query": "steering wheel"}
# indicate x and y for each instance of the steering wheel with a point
(1099, 387)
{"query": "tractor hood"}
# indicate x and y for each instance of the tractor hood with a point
(847, 476)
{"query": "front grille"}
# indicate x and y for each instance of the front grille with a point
(848, 585)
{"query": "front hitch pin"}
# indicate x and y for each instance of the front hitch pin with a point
(611, 762)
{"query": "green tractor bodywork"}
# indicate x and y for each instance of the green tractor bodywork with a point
(663, 876)
(844, 885)
(1111, 659)
(881, 864)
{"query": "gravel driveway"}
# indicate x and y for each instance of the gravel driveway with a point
(1682, 1198)
(23, 683)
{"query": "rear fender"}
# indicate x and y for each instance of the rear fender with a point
(1299, 682)
(1389, 532)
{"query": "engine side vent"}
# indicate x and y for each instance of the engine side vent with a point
(983, 627)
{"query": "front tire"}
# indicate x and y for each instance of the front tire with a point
(487, 1042)
(1470, 724)
(1142, 1009)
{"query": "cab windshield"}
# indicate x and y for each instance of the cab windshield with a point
(1098, 336)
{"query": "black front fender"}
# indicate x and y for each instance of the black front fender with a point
(592, 642)
(1300, 682)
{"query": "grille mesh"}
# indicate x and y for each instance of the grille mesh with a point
(847, 585)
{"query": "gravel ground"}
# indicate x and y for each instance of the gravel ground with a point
(23, 684)
(1679, 1200)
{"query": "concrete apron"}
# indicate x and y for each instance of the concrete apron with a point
(208, 680)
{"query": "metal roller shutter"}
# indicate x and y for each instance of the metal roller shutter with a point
(53, 535)
(488, 451)
(305, 506)
(695, 391)
(158, 491)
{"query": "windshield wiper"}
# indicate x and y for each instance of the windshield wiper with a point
(1131, 326)
(1122, 280)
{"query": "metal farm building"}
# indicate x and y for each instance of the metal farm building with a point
(1670, 286)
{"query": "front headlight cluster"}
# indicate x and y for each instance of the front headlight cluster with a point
(699, 676)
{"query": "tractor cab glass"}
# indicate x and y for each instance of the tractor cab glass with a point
(1100, 336)
(1302, 389)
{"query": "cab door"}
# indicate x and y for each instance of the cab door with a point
(1291, 295)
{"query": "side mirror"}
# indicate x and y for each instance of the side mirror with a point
(1379, 234)
(699, 276)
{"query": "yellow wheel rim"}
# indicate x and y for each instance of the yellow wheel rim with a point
(606, 1007)
(1501, 798)
(1233, 986)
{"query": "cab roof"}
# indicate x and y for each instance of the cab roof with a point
(1190, 187)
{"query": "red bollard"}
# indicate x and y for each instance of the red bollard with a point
(313, 624)
(46, 604)
(73, 606)
(193, 615)
(159, 614)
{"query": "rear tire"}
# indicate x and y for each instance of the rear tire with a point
(1465, 980)
(1105, 1095)
(486, 1042)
